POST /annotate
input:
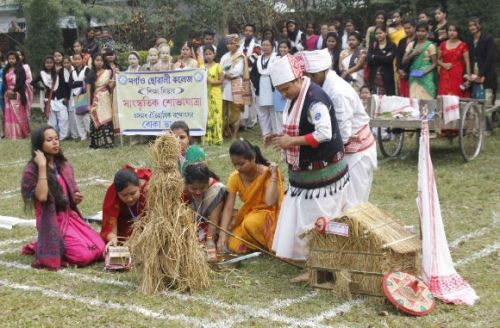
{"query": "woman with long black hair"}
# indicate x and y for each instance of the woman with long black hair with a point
(48, 183)
(17, 111)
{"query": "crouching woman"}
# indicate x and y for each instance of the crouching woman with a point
(49, 184)
(123, 203)
(260, 188)
(205, 195)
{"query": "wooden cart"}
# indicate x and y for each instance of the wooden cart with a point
(469, 128)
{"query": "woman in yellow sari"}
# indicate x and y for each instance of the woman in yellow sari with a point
(260, 188)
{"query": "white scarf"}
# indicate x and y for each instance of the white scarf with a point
(47, 80)
(271, 60)
(319, 43)
(251, 45)
(298, 41)
(438, 271)
(78, 77)
(67, 74)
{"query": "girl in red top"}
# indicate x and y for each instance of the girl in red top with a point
(453, 59)
(124, 202)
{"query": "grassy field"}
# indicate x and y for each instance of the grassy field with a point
(258, 294)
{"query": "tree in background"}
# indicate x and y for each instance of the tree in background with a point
(143, 21)
(43, 34)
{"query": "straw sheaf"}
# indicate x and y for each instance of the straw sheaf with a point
(368, 221)
(164, 243)
(361, 259)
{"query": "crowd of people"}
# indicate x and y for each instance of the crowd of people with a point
(398, 55)
(305, 90)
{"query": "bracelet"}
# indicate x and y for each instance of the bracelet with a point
(42, 178)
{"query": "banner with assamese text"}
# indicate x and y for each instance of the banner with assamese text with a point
(149, 102)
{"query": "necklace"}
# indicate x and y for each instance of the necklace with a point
(136, 211)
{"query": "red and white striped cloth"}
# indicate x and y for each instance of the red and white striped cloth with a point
(451, 108)
(291, 123)
(438, 271)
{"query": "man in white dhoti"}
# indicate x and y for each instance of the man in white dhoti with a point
(313, 149)
(359, 143)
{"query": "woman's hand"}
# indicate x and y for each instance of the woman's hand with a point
(402, 73)
(416, 51)
(112, 242)
(221, 243)
(78, 197)
(111, 84)
(344, 74)
(446, 66)
(11, 94)
(273, 168)
(40, 159)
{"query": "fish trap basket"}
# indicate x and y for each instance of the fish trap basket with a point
(355, 264)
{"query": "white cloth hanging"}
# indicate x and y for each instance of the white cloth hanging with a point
(438, 271)
(451, 108)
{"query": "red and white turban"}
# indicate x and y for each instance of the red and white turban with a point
(315, 61)
(286, 69)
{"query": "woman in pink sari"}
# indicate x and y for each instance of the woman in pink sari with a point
(17, 112)
(49, 184)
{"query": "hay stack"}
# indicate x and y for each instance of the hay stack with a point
(376, 245)
(164, 245)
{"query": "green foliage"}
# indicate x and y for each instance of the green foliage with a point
(44, 36)
(461, 10)
(142, 24)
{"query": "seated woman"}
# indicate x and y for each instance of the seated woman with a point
(205, 195)
(260, 188)
(181, 131)
(49, 184)
(123, 203)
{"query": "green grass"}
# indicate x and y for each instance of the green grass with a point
(248, 296)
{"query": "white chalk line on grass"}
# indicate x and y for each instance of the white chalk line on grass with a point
(284, 303)
(81, 182)
(77, 276)
(474, 234)
(337, 310)
(245, 310)
(248, 310)
(24, 161)
(199, 322)
(482, 253)
(11, 250)
(15, 241)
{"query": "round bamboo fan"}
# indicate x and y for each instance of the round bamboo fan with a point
(408, 293)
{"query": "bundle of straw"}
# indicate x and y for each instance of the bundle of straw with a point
(163, 243)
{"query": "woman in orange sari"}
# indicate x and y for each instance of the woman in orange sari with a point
(260, 188)
(124, 202)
